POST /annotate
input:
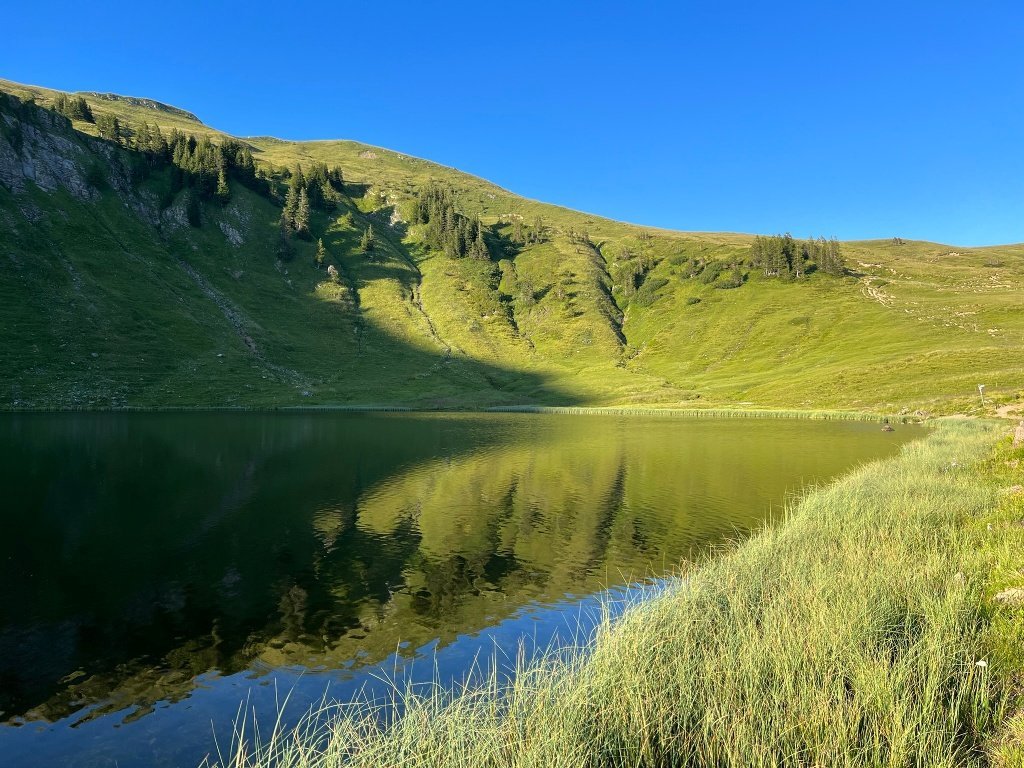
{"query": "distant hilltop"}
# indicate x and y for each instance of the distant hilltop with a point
(135, 101)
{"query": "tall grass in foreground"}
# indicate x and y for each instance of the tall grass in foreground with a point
(849, 635)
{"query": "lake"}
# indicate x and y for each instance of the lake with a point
(157, 570)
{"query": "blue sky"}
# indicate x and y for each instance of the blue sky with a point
(849, 119)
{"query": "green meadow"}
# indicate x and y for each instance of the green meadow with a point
(116, 301)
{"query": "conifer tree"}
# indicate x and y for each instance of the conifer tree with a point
(757, 255)
(143, 138)
(291, 208)
(321, 253)
(302, 213)
(790, 263)
(109, 127)
(74, 108)
(368, 241)
(81, 110)
(537, 232)
(157, 141)
(831, 261)
(480, 250)
(223, 193)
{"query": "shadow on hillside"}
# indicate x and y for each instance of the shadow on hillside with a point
(383, 218)
(443, 378)
(355, 189)
(283, 352)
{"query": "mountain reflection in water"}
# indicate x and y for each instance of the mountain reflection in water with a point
(156, 567)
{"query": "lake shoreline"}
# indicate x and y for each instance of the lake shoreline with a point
(667, 411)
(865, 628)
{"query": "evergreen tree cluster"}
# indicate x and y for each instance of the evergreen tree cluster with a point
(368, 242)
(109, 127)
(826, 254)
(777, 256)
(200, 165)
(295, 214)
(197, 164)
(324, 186)
(320, 188)
(523, 235)
(207, 168)
(73, 107)
(782, 256)
(447, 229)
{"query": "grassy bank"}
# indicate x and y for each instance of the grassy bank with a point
(717, 413)
(862, 631)
(666, 411)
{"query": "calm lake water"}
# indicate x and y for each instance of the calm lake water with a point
(158, 569)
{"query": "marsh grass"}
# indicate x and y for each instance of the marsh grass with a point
(851, 634)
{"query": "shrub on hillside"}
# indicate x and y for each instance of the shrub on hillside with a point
(647, 294)
(711, 272)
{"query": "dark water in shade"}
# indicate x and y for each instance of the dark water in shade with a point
(158, 569)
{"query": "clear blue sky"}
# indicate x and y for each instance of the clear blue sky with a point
(850, 119)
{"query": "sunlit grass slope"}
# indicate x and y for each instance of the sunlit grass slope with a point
(107, 306)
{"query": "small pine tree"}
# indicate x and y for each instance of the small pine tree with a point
(834, 262)
(80, 109)
(367, 242)
(291, 208)
(109, 127)
(143, 138)
(537, 235)
(302, 213)
(157, 141)
(757, 255)
(223, 192)
(321, 253)
(479, 244)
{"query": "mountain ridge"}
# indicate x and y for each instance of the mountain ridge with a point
(590, 311)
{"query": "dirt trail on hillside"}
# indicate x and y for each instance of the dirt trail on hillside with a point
(876, 294)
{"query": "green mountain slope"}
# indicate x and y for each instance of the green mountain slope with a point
(122, 289)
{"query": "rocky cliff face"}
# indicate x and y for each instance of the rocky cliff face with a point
(40, 147)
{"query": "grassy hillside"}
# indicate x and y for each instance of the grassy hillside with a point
(112, 297)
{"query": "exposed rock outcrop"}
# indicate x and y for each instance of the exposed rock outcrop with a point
(41, 151)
